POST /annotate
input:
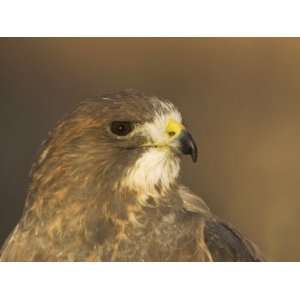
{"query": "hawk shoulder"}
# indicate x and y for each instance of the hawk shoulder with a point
(222, 241)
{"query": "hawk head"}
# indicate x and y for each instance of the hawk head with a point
(104, 189)
(119, 141)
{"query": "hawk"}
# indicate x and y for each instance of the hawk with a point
(105, 187)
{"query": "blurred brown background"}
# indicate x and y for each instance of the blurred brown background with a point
(240, 98)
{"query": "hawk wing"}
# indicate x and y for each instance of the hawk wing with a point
(226, 244)
(222, 241)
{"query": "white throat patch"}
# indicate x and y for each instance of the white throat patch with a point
(158, 167)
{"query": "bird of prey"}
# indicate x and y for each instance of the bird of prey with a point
(105, 187)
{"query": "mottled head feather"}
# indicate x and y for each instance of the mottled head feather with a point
(98, 196)
(83, 153)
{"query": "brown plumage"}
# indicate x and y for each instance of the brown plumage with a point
(105, 188)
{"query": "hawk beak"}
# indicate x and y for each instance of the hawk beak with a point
(187, 145)
(182, 139)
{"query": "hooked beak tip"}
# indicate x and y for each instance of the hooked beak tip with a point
(188, 145)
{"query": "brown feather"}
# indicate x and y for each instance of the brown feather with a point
(74, 212)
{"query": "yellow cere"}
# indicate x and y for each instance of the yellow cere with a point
(173, 128)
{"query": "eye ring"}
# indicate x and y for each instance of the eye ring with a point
(121, 128)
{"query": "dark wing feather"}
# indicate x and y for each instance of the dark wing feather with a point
(223, 242)
(226, 244)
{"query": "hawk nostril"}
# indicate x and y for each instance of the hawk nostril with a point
(171, 133)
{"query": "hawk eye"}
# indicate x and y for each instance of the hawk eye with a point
(121, 128)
